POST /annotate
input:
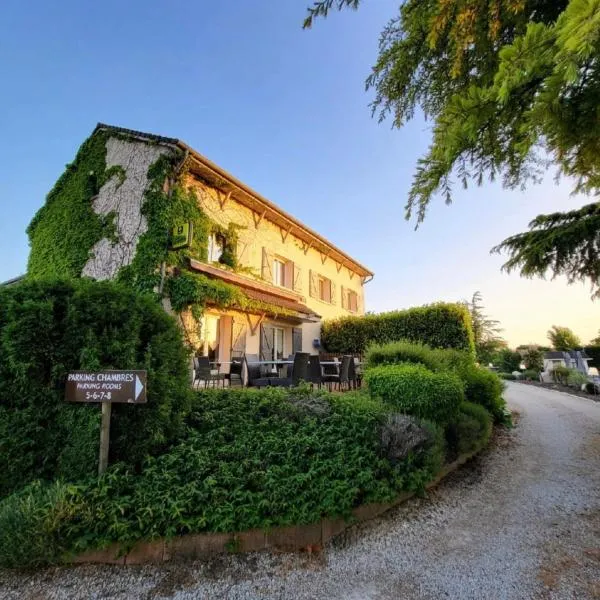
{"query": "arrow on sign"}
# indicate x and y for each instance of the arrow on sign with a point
(139, 387)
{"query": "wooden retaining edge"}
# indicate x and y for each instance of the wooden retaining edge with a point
(294, 538)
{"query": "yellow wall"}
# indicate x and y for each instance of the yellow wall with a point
(252, 240)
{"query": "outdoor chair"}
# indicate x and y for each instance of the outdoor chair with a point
(299, 373)
(315, 375)
(203, 372)
(342, 378)
(331, 374)
(235, 373)
(252, 369)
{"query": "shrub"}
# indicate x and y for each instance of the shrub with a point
(402, 352)
(509, 361)
(251, 459)
(441, 325)
(416, 391)
(470, 431)
(485, 388)
(507, 376)
(531, 375)
(576, 378)
(48, 328)
(534, 360)
(560, 374)
(592, 388)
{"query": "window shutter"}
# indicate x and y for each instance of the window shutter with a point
(359, 304)
(288, 276)
(332, 296)
(314, 284)
(344, 303)
(238, 338)
(296, 340)
(241, 251)
(267, 261)
(266, 342)
(297, 279)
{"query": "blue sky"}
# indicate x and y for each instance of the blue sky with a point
(285, 111)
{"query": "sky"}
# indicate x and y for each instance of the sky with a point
(285, 111)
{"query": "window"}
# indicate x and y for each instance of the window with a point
(216, 243)
(351, 300)
(279, 272)
(210, 332)
(277, 343)
(324, 289)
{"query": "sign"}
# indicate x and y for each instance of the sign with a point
(106, 386)
(181, 236)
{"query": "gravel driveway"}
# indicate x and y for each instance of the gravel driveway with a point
(521, 521)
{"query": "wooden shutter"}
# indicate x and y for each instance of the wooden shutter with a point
(266, 342)
(344, 303)
(238, 338)
(241, 251)
(332, 292)
(296, 340)
(359, 303)
(314, 284)
(267, 268)
(297, 279)
(288, 274)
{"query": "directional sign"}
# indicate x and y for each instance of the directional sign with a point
(106, 386)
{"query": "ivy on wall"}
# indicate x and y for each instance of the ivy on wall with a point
(65, 229)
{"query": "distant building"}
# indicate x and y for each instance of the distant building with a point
(573, 359)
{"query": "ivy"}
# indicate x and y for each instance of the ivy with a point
(65, 229)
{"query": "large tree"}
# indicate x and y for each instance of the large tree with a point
(512, 86)
(563, 338)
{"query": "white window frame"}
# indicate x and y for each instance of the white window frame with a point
(278, 269)
(276, 349)
(215, 250)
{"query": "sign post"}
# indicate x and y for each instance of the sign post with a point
(127, 387)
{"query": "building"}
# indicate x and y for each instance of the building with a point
(573, 359)
(280, 277)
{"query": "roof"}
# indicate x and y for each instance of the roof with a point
(215, 175)
(563, 354)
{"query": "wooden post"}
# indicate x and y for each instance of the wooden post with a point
(104, 437)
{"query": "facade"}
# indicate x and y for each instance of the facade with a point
(286, 277)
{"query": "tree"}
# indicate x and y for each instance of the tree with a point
(485, 330)
(595, 341)
(509, 361)
(533, 359)
(563, 338)
(512, 87)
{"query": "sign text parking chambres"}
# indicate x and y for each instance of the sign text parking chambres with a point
(106, 386)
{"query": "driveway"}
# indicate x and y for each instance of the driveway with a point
(521, 521)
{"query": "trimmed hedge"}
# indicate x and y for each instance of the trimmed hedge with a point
(470, 431)
(48, 328)
(250, 459)
(485, 388)
(442, 325)
(415, 390)
(403, 352)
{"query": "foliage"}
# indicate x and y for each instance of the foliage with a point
(68, 209)
(251, 459)
(485, 331)
(415, 390)
(441, 325)
(512, 87)
(48, 328)
(576, 378)
(592, 388)
(509, 361)
(595, 341)
(485, 388)
(563, 339)
(470, 431)
(594, 353)
(534, 360)
(531, 375)
(507, 376)
(560, 374)
(402, 352)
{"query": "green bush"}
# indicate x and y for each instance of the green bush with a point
(402, 352)
(507, 376)
(576, 378)
(416, 391)
(48, 328)
(485, 388)
(250, 459)
(441, 325)
(531, 375)
(470, 431)
(560, 374)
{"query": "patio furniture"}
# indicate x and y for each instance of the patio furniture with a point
(203, 372)
(235, 373)
(253, 372)
(315, 373)
(299, 373)
(341, 378)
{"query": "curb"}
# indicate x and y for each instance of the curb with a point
(292, 538)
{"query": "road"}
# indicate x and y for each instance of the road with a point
(520, 522)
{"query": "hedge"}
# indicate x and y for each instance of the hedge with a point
(48, 328)
(415, 390)
(441, 325)
(470, 431)
(250, 459)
